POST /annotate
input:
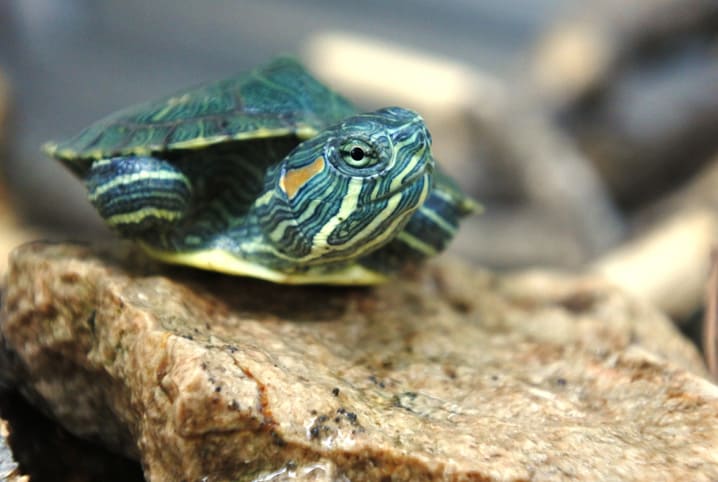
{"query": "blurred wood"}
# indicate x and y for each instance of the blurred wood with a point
(582, 50)
(569, 61)
(699, 191)
(516, 237)
(654, 127)
(394, 75)
(710, 319)
(636, 84)
(668, 263)
(554, 175)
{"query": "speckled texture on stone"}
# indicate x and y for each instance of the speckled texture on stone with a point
(451, 374)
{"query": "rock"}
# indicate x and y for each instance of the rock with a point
(9, 470)
(445, 374)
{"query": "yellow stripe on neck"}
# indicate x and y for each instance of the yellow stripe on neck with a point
(136, 217)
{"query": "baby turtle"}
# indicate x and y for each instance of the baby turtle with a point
(270, 174)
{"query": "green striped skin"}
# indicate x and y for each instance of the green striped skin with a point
(344, 210)
(270, 174)
(136, 195)
(429, 230)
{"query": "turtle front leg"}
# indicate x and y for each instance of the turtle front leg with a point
(138, 195)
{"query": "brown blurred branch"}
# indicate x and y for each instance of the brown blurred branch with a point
(586, 48)
(553, 173)
(666, 263)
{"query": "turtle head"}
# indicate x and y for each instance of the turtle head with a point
(350, 189)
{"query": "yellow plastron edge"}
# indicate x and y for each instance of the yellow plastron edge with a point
(218, 260)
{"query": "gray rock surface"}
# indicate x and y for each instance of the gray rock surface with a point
(445, 374)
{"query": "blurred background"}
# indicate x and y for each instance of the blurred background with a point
(588, 129)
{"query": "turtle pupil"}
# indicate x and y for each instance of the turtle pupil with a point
(357, 153)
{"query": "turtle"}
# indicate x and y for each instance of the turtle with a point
(270, 174)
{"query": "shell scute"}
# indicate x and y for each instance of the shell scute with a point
(277, 99)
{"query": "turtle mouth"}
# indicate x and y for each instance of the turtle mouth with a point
(408, 182)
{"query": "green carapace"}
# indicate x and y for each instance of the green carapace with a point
(273, 175)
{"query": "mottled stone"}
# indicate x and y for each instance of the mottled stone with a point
(446, 374)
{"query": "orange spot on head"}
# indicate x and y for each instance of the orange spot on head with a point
(294, 179)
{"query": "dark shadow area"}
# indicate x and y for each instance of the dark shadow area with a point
(48, 453)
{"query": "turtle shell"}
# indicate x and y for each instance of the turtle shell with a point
(278, 99)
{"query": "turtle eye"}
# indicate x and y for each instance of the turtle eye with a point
(359, 154)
